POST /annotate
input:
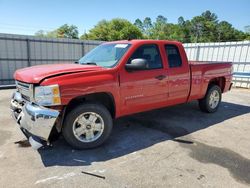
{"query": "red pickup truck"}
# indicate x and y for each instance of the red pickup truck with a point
(113, 80)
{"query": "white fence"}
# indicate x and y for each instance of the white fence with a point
(236, 52)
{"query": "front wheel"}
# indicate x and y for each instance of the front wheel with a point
(87, 126)
(210, 103)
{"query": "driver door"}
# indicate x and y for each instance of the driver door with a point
(144, 89)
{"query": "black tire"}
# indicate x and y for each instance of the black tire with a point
(67, 129)
(204, 102)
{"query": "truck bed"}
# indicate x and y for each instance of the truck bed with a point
(202, 72)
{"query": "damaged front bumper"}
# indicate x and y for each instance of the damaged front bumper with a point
(36, 122)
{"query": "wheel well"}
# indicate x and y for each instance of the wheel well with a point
(221, 81)
(105, 99)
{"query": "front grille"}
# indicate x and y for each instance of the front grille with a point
(25, 89)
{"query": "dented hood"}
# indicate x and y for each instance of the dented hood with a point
(37, 73)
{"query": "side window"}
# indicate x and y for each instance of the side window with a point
(173, 54)
(149, 52)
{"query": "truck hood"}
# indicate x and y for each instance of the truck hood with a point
(37, 73)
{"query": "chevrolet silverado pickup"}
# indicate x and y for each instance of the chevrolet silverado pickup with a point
(115, 79)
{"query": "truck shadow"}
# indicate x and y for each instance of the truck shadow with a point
(141, 131)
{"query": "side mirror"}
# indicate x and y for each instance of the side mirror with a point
(136, 64)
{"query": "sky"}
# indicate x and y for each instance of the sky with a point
(28, 16)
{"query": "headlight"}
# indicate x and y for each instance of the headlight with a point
(47, 95)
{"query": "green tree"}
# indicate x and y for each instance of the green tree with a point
(181, 21)
(138, 23)
(225, 31)
(148, 26)
(65, 31)
(209, 16)
(185, 30)
(116, 29)
(52, 34)
(197, 27)
(247, 29)
(161, 20)
(159, 28)
(40, 33)
(176, 32)
(204, 27)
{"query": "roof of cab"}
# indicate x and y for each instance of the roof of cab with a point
(144, 41)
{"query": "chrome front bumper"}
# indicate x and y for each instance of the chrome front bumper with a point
(34, 120)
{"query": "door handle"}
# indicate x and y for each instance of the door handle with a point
(160, 77)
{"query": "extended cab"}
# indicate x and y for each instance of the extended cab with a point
(113, 80)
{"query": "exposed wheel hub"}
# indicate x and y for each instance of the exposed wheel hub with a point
(214, 99)
(88, 127)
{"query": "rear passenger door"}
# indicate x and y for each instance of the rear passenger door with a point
(178, 74)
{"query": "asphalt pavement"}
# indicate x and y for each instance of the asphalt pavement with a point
(178, 146)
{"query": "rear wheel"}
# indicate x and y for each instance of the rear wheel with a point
(87, 126)
(211, 102)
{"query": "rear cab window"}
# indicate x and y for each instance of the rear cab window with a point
(173, 56)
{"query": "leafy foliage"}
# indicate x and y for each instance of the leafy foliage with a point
(116, 29)
(65, 31)
(203, 28)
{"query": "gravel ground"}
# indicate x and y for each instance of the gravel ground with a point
(172, 147)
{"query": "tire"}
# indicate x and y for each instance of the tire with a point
(206, 104)
(80, 128)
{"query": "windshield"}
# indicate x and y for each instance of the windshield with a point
(105, 55)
